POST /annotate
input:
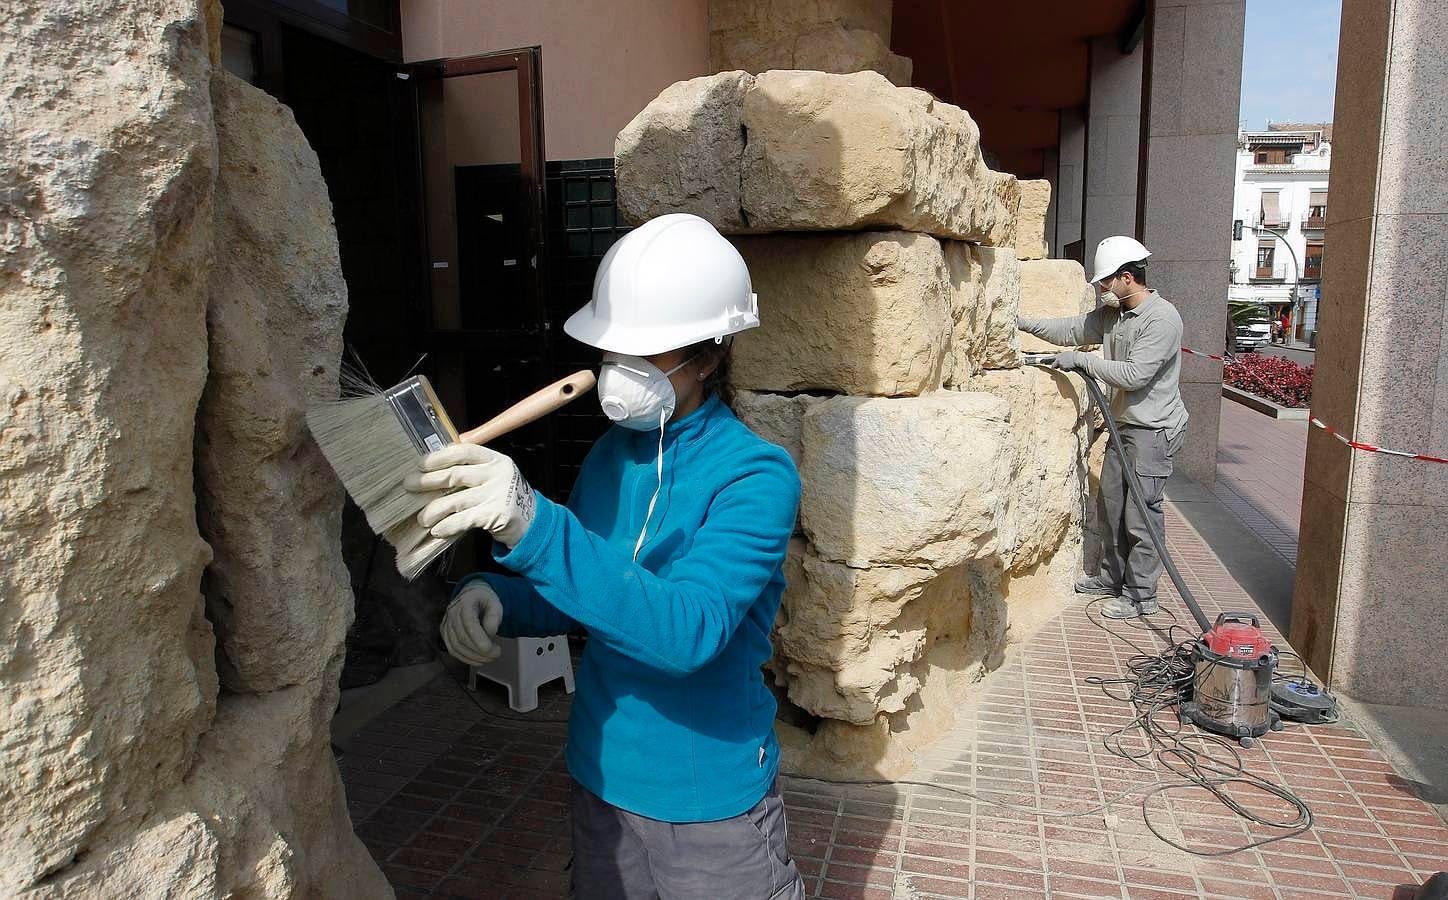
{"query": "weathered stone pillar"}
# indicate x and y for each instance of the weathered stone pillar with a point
(1372, 576)
(1113, 137)
(1193, 76)
(942, 483)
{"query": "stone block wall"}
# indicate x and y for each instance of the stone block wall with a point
(839, 36)
(943, 484)
(172, 595)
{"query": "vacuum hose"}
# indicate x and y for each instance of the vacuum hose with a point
(1137, 494)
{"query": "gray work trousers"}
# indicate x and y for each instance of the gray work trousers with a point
(619, 855)
(1128, 558)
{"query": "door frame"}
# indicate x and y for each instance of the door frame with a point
(438, 189)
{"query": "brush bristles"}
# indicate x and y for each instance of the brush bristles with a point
(416, 547)
(371, 454)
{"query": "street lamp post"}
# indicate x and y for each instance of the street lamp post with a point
(1292, 296)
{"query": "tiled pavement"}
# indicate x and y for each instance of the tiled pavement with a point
(1259, 474)
(455, 802)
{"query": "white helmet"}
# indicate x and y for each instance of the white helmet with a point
(1115, 252)
(671, 282)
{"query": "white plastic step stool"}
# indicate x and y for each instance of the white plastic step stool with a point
(525, 664)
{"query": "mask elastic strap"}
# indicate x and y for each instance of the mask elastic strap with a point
(643, 533)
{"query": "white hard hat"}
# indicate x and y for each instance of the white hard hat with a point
(1115, 252)
(671, 282)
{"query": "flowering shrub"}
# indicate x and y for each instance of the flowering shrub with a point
(1280, 380)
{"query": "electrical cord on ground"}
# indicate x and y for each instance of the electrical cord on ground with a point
(1160, 682)
(1157, 684)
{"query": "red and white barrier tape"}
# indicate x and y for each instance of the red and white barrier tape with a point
(1204, 353)
(1371, 448)
(1356, 445)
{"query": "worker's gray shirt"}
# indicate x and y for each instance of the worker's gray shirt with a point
(1142, 358)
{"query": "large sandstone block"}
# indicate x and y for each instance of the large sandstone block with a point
(866, 313)
(1031, 219)
(968, 317)
(268, 502)
(852, 637)
(908, 482)
(1048, 440)
(122, 773)
(683, 152)
(1050, 289)
(797, 15)
(777, 418)
(838, 36)
(1000, 278)
(106, 672)
(821, 152)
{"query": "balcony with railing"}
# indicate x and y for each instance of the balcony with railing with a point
(1316, 217)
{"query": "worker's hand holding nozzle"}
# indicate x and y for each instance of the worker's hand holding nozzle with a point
(1068, 360)
(471, 623)
(476, 488)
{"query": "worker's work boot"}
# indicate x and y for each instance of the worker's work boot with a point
(1124, 608)
(1095, 586)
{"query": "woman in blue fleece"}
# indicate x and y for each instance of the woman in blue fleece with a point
(669, 554)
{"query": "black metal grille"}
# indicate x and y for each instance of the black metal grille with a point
(583, 222)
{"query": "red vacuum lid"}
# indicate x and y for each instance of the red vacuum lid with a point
(1238, 635)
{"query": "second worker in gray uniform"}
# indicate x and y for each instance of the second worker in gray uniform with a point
(1140, 334)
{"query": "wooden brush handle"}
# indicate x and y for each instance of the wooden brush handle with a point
(532, 407)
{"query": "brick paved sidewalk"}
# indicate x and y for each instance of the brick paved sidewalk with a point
(455, 802)
(1260, 461)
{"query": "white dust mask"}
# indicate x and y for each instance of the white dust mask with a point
(635, 393)
(1109, 298)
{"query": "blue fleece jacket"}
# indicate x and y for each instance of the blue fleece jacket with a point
(671, 717)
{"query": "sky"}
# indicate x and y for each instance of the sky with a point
(1289, 61)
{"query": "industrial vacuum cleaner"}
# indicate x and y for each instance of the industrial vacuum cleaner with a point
(1234, 691)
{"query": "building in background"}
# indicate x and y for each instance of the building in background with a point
(1280, 213)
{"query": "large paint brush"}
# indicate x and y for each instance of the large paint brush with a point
(374, 440)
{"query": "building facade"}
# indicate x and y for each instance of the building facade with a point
(1279, 216)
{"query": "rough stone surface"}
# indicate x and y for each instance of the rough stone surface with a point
(105, 654)
(268, 502)
(776, 418)
(728, 16)
(968, 318)
(999, 304)
(1007, 190)
(687, 146)
(867, 313)
(839, 36)
(1048, 439)
(909, 482)
(821, 152)
(1052, 288)
(1031, 219)
(122, 772)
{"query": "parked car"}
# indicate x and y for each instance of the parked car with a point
(1253, 335)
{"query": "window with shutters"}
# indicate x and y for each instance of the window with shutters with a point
(1265, 251)
(1312, 263)
(1271, 214)
(1316, 210)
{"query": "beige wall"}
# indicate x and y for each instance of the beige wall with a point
(603, 61)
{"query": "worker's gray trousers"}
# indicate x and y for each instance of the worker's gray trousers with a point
(1128, 558)
(619, 855)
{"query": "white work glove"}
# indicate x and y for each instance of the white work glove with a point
(1069, 360)
(471, 623)
(486, 491)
